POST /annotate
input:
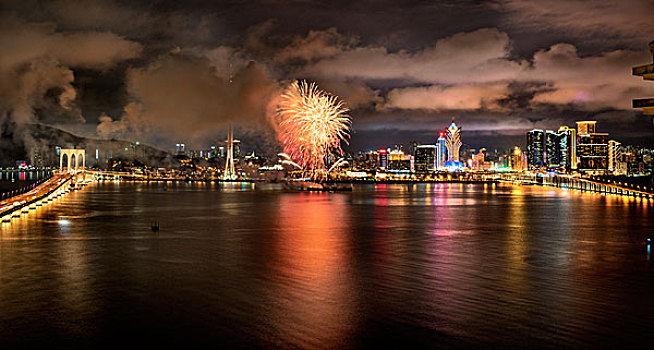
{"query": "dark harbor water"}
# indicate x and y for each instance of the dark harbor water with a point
(391, 266)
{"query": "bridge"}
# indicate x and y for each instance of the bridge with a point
(587, 184)
(46, 192)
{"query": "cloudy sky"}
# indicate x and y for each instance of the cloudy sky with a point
(178, 71)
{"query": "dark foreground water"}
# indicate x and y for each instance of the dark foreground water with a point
(391, 266)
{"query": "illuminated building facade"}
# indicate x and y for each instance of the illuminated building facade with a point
(592, 149)
(367, 160)
(552, 154)
(441, 150)
(550, 149)
(398, 161)
(453, 142)
(586, 127)
(383, 159)
(536, 148)
(425, 158)
(567, 148)
(615, 151)
(518, 160)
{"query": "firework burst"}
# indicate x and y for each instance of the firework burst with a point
(311, 124)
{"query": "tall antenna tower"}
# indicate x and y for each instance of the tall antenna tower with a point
(230, 173)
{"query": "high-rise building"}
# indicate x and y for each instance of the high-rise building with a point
(518, 160)
(383, 158)
(425, 158)
(615, 150)
(453, 142)
(592, 149)
(586, 127)
(552, 149)
(441, 150)
(412, 147)
(398, 161)
(536, 148)
(366, 160)
(237, 148)
(568, 148)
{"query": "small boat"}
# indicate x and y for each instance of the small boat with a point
(337, 186)
(299, 185)
(155, 226)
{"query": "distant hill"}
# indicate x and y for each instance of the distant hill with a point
(36, 143)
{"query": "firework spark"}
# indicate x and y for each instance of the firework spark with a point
(311, 124)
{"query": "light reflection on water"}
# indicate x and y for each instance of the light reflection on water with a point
(424, 265)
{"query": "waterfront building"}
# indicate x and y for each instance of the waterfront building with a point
(383, 159)
(615, 150)
(366, 160)
(552, 149)
(567, 148)
(453, 142)
(479, 161)
(518, 160)
(586, 127)
(412, 147)
(592, 149)
(536, 149)
(398, 161)
(425, 158)
(441, 150)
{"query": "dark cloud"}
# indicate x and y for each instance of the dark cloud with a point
(184, 97)
(159, 71)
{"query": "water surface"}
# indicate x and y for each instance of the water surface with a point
(245, 266)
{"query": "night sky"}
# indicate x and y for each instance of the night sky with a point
(159, 71)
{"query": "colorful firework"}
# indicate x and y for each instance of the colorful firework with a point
(311, 124)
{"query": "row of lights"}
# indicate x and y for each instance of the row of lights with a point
(25, 210)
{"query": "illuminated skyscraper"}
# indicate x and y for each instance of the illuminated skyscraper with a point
(586, 127)
(615, 151)
(536, 148)
(425, 158)
(398, 161)
(518, 160)
(453, 142)
(382, 163)
(568, 148)
(441, 150)
(592, 148)
(552, 150)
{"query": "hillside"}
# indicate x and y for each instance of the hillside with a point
(37, 143)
